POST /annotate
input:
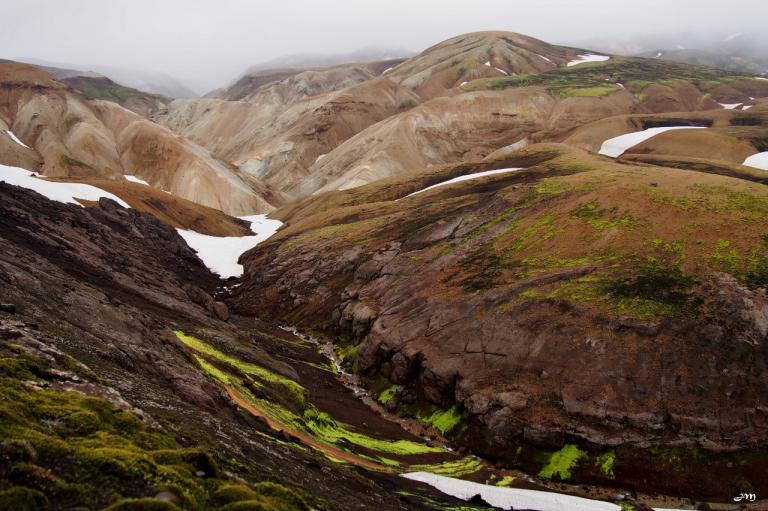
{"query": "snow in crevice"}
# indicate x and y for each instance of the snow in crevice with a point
(588, 57)
(758, 161)
(67, 193)
(615, 147)
(513, 498)
(730, 106)
(510, 498)
(319, 157)
(16, 139)
(746, 107)
(387, 70)
(463, 84)
(134, 179)
(545, 58)
(459, 179)
(220, 254)
(501, 71)
(487, 63)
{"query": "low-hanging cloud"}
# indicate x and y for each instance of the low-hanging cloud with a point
(207, 43)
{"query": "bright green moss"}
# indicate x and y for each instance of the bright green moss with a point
(506, 481)
(562, 463)
(318, 424)
(454, 468)
(387, 394)
(296, 391)
(443, 420)
(605, 462)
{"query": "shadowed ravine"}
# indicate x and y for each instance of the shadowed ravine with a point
(345, 399)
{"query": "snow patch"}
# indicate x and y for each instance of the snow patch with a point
(387, 70)
(746, 107)
(510, 498)
(134, 179)
(545, 58)
(488, 63)
(463, 84)
(621, 85)
(758, 161)
(220, 254)
(760, 78)
(732, 37)
(501, 71)
(320, 157)
(658, 55)
(588, 57)
(55, 190)
(467, 177)
(16, 139)
(615, 147)
(730, 106)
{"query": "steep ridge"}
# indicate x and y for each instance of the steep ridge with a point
(479, 55)
(105, 405)
(71, 136)
(575, 309)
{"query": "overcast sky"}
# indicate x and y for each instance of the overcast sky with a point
(207, 43)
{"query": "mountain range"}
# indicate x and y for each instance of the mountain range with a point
(512, 272)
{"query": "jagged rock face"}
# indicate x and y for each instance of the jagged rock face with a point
(434, 290)
(53, 251)
(478, 55)
(71, 136)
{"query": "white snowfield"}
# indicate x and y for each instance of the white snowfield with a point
(220, 254)
(134, 179)
(513, 498)
(730, 106)
(466, 177)
(510, 498)
(615, 147)
(588, 57)
(54, 190)
(16, 139)
(758, 161)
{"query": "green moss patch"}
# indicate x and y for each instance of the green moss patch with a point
(443, 420)
(562, 463)
(74, 451)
